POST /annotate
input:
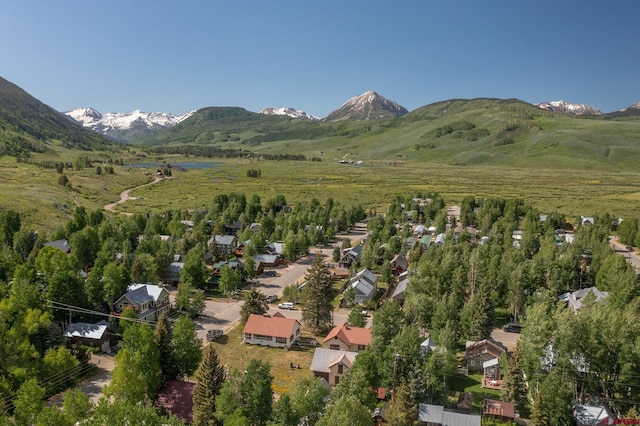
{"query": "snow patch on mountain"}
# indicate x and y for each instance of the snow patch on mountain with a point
(291, 112)
(566, 107)
(634, 106)
(111, 121)
(368, 106)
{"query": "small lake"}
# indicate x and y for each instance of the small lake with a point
(192, 165)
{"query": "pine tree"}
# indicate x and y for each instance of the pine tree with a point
(515, 389)
(478, 314)
(162, 335)
(255, 302)
(209, 379)
(317, 296)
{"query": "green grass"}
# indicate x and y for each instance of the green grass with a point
(234, 354)
(472, 384)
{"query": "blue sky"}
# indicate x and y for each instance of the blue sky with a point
(174, 56)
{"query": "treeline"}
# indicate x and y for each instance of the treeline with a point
(79, 163)
(215, 152)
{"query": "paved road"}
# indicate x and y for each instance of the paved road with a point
(631, 256)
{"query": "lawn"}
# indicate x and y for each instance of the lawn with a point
(234, 354)
(472, 383)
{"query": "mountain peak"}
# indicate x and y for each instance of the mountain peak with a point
(367, 106)
(569, 108)
(291, 112)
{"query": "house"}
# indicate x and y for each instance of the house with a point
(59, 244)
(266, 260)
(436, 415)
(492, 376)
(410, 243)
(400, 290)
(364, 285)
(224, 244)
(498, 410)
(94, 335)
(399, 264)
(149, 301)
(175, 269)
(425, 241)
(476, 353)
(586, 221)
(276, 331)
(419, 230)
(347, 338)
(574, 299)
(275, 248)
(592, 415)
(350, 256)
(234, 265)
(440, 238)
(428, 345)
(233, 228)
(176, 396)
(331, 365)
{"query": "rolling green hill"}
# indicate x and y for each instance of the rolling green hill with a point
(27, 126)
(482, 131)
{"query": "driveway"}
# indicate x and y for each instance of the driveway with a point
(91, 386)
(507, 339)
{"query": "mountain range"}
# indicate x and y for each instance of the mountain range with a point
(122, 126)
(566, 107)
(368, 127)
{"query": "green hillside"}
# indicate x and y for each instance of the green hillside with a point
(456, 132)
(29, 126)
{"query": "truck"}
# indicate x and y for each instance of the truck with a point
(212, 335)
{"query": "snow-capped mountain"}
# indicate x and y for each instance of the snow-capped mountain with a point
(118, 125)
(631, 111)
(368, 106)
(291, 112)
(566, 107)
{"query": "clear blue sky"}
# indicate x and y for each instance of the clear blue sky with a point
(174, 56)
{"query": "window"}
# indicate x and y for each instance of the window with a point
(472, 363)
(340, 369)
(334, 347)
(361, 347)
(281, 340)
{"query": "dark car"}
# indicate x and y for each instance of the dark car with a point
(512, 327)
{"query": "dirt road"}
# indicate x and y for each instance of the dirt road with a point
(124, 195)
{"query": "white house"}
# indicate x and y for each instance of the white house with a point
(149, 301)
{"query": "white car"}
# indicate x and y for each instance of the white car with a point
(285, 305)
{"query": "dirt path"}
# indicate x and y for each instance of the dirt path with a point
(124, 195)
(92, 386)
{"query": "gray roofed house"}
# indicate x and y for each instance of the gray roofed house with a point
(592, 415)
(350, 256)
(428, 345)
(149, 301)
(275, 248)
(175, 269)
(331, 365)
(95, 335)
(224, 244)
(436, 415)
(364, 285)
(59, 244)
(399, 292)
(575, 299)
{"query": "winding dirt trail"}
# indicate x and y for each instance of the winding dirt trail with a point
(124, 195)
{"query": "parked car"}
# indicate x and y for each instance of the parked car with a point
(213, 335)
(512, 327)
(272, 298)
(285, 305)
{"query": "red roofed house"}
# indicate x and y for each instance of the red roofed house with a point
(177, 397)
(276, 330)
(346, 338)
(498, 409)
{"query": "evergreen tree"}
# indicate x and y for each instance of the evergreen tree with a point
(257, 393)
(317, 296)
(478, 315)
(255, 302)
(209, 379)
(552, 405)
(515, 389)
(162, 335)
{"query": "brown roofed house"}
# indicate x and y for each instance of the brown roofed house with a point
(500, 410)
(476, 353)
(346, 338)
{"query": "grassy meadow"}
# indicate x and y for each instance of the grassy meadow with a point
(573, 192)
(35, 193)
